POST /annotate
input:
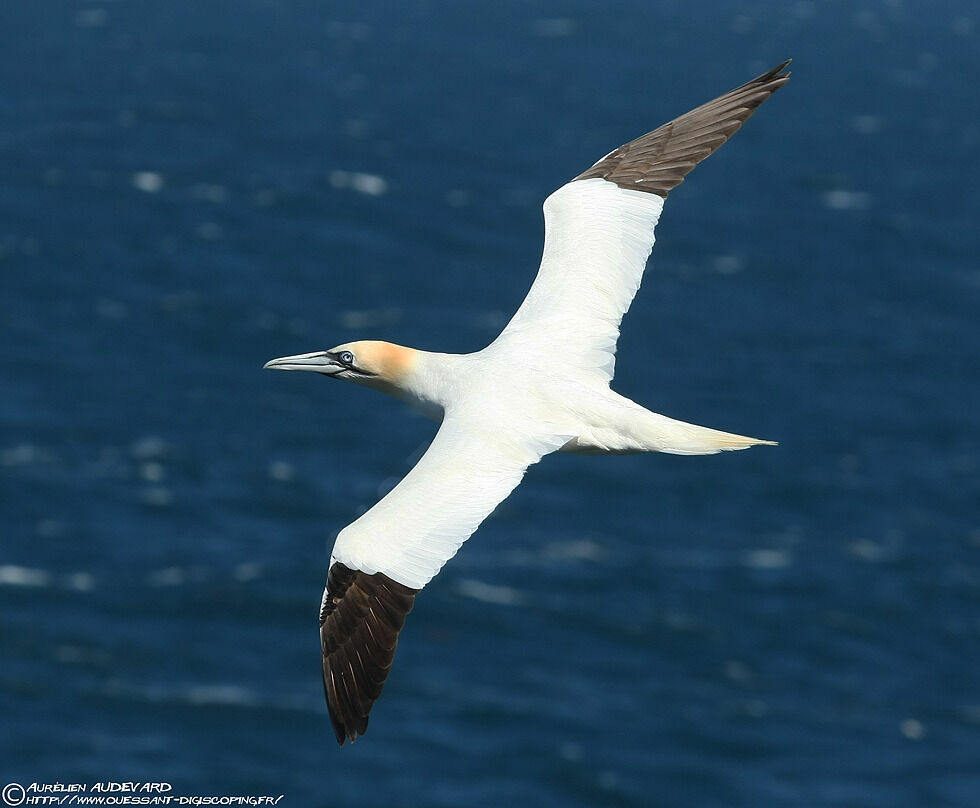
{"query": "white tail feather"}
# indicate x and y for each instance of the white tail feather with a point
(689, 439)
(625, 427)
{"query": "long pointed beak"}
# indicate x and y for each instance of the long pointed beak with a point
(318, 361)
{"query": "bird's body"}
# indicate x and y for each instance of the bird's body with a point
(542, 386)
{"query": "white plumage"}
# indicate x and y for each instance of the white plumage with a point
(597, 239)
(421, 523)
(541, 386)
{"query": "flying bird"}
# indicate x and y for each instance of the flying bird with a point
(541, 386)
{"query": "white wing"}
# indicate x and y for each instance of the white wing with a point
(598, 237)
(599, 234)
(381, 561)
(469, 468)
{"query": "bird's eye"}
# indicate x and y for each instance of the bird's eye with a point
(347, 358)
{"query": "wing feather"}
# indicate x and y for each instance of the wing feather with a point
(421, 523)
(650, 163)
(382, 560)
(599, 232)
(359, 625)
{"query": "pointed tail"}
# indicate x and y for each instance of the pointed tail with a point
(619, 426)
(678, 437)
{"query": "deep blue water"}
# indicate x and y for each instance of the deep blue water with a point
(189, 189)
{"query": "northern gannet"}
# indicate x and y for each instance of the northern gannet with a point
(541, 386)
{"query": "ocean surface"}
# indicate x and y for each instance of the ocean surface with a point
(188, 189)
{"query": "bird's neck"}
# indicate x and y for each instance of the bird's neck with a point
(429, 382)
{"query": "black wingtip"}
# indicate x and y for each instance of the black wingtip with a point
(772, 79)
(659, 161)
(338, 730)
(780, 67)
(776, 77)
(361, 617)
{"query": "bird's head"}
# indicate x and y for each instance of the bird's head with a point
(368, 362)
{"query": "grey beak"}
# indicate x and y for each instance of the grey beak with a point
(318, 361)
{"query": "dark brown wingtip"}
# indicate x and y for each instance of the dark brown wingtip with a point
(776, 71)
(660, 160)
(360, 618)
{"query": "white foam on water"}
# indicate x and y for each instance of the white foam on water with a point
(149, 446)
(210, 192)
(91, 18)
(369, 184)
(867, 124)
(81, 581)
(25, 454)
(575, 550)
(489, 593)
(963, 26)
(727, 264)
(157, 496)
(168, 576)
(457, 198)
(369, 318)
(743, 24)
(282, 471)
(912, 729)
(247, 571)
(152, 471)
(220, 694)
(13, 575)
(767, 559)
(147, 181)
(846, 200)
